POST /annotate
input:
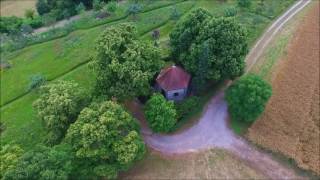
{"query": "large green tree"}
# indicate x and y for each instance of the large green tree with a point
(42, 163)
(9, 157)
(209, 48)
(58, 106)
(247, 98)
(186, 32)
(105, 140)
(228, 47)
(124, 65)
(161, 114)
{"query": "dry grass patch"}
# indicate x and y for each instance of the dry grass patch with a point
(211, 164)
(16, 7)
(290, 124)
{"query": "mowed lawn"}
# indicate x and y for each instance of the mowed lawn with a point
(16, 7)
(63, 59)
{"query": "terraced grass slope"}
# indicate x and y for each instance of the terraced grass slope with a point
(56, 57)
(67, 57)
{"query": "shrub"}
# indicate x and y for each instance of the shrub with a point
(36, 22)
(186, 107)
(134, 9)
(247, 98)
(106, 140)
(97, 5)
(112, 6)
(155, 34)
(160, 113)
(29, 13)
(244, 3)
(175, 14)
(10, 24)
(58, 106)
(26, 29)
(36, 81)
(42, 7)
(230, 12)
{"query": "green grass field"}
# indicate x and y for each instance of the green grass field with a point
(66, 58)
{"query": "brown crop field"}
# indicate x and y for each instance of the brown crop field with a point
(211, 164)
(291, 121)
(16, 7)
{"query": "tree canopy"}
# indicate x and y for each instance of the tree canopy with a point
(161, 114)
(186, 32)
(247, 98)
(105, 140)
(42, 163)
(58, 106)
(211, 47)
(9, 157)
(124, 65)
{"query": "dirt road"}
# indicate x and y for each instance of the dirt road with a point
(212, 129)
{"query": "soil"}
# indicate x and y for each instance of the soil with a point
(290, 124)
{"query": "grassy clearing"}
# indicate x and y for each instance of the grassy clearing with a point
(266, 64)
(16, 7)
(56, 58)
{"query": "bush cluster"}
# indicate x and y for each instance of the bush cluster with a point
(36, 81)
(247, 98)
(186, 107)
(58, 107)
(161, 114)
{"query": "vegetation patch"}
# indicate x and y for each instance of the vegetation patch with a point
(247, 98)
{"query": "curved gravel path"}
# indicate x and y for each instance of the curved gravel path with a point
(212, 129)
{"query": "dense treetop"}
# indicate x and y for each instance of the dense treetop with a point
(124, 65)
(105, 140)
(58, 106)
(247, 97)
(9, 157)
(215, 47)
(186, 32)
(42, 163)
(161, 114)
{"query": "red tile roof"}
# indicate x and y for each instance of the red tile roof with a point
(173, 78)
